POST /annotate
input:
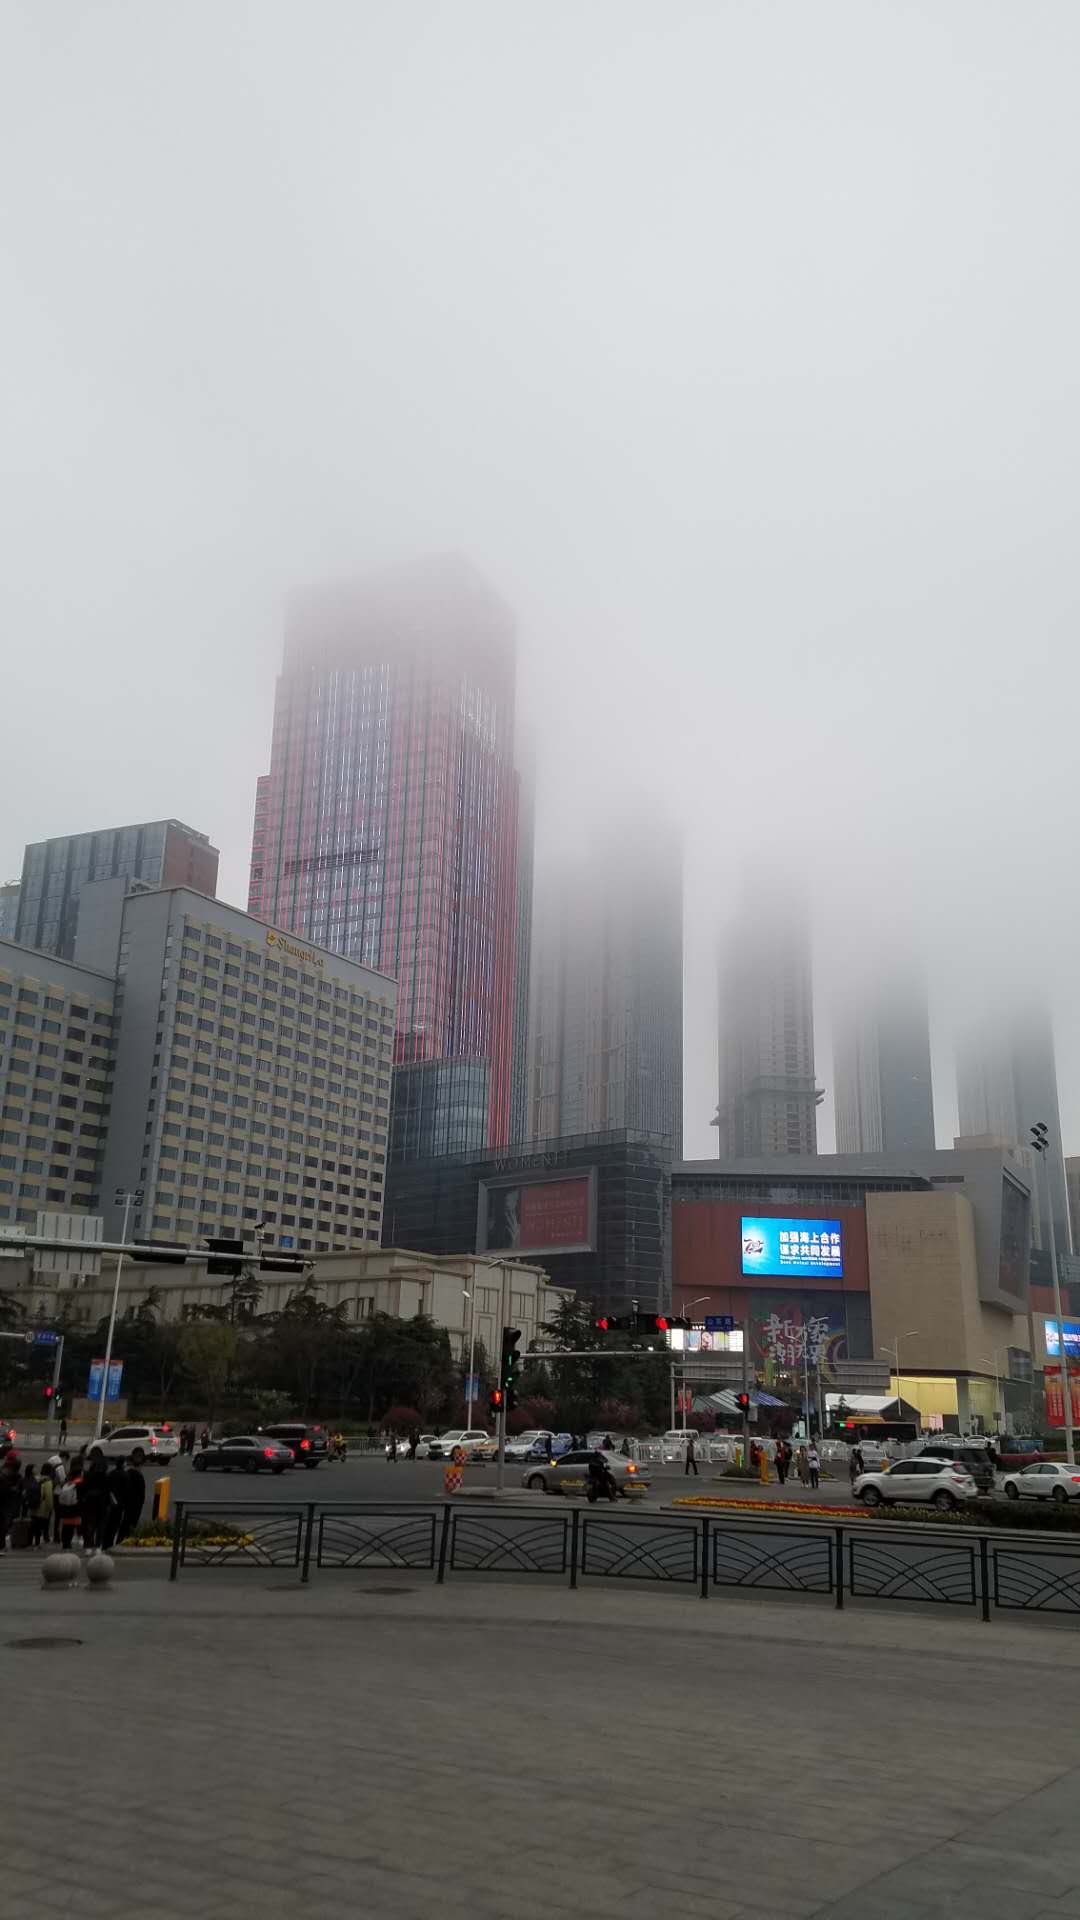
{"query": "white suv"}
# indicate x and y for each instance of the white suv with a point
(943, 1483)
(136, 1444)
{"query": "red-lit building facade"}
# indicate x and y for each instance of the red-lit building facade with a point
(387, 826)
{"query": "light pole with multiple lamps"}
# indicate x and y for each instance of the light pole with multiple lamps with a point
(894, 1349)
(1040, 1140)
(127, 1200)
(470, 1383)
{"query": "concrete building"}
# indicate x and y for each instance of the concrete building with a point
(595, 1211)
(251, 1080)
(364, 1281)
(157, 853)
(1072, 1189)
(929, 1249)
(606, 1021)
(1006, 1082)
(768, 1090)
(9, 909)
(55, 1076)
(882, 1087)
(388, 826)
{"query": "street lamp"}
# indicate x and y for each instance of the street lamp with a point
(911, 1334)
(127, 1200)
(686, 1309)
(993, 1360)
(1040, 1140)
(471, 1298)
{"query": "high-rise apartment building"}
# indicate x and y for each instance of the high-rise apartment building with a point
(768, 1091)
(882, 1088)
(56, 1024)
(251, 1081)
(157, 853)
(605, 1050)
(387, 827)
(1006, 1083)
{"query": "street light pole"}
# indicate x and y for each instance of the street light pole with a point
(1040, 1140)
(471, 1298)
(130, 1200)
(911, 1334)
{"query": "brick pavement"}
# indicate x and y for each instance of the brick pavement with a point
(237, 1745)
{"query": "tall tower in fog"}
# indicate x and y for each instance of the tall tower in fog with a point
(387, 827)
(768, 1091)
(882, 1086)
(1006, 1082)
(605, 1041)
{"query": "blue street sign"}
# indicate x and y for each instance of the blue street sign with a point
(43, 1338)
(472, 1386)
(719, 1323)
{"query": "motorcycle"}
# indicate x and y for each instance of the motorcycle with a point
(339, 1451)
(601, 1483)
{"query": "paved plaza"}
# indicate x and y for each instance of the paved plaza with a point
(236, 1745)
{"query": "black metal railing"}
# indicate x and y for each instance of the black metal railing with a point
(846, 1562)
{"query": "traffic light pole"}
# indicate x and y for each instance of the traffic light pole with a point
(504, 1280)
(746, 1390)
(52, 1397)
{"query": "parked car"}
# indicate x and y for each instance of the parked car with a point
(976, 1460)
(7, 1437)
(1016, 1451)
(1044, 1480)
(248, 1453)
(424, 1445)
(533, 1445)
(137, 1444)
(308, 1445)
(570, 1473)
(944, 1483)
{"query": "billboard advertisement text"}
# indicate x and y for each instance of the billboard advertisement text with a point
(537, 1216)
(799, 1249)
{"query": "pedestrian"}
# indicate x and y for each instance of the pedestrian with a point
(134, 1499)
(63, 1429)
(802, 1466)
(690, 1464)
(60, 1464)
(10, 1495)
(763, 1464)
(94, 1501)
(609, 1443)
(68, 1509)
(391, 1449)
(204, 1437)
(625, 1448)
(43, 1518)
(813, 1461)
(855, 1463)
(114, 1513)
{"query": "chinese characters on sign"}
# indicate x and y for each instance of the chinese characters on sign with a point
(805, 1249)
(788, 1342)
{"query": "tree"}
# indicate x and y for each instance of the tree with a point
(209, 1353)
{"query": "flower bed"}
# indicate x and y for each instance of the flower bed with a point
(784, 1507)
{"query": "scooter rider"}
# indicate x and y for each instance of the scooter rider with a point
(601, 1479)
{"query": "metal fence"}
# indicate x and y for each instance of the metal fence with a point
(845, 1563)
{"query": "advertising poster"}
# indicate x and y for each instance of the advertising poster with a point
(537, 1216)
(97, 1368)
(1055, 1406)
(792, 1249)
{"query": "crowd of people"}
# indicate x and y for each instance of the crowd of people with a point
(81, 1500)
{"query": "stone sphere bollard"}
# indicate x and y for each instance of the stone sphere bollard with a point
(60, 1570)
(99, 1569)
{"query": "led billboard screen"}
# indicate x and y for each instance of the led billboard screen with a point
(1053, 1341)
(792, 1249)
(538, 1216)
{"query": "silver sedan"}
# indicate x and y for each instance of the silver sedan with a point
(570, 1473)
(1046, 1480)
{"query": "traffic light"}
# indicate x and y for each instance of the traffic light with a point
(603, 1325)
(511, 1360)
(742, 1401)
(495, 1403)
(226, 1256)
(49, 1391)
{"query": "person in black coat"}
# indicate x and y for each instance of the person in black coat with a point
(114, 1480)
(94, 1501)
(134, 1499)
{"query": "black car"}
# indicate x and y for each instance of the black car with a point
(975, 1460)
(308, 1445)
(247, 1452)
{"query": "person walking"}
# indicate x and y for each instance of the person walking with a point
(782, 1458)
(60, 1463)
(802, 1466)
(855, 1463)
(204, 1437)
(133, 1500)
(690, 1464)
(391, 1449)
(94, 1499)
(68, 1509)
(813, 1461)
(114, 1512)
(10, 1496)
(63, 1429)
(42, 1519)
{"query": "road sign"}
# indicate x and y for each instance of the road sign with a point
(719, 1323)
(44, 1337)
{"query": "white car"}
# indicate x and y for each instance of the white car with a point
(137, 1444)
(468, 1438)
(522, 1445)
(424, 1445)
(941, 1482)
(1044, 1480)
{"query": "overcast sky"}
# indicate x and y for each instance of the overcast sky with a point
(735, 343)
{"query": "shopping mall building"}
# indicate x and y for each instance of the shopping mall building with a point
(921, 1258)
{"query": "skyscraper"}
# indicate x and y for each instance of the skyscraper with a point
(605, 1047)
(768, 1090)
(1006, 1083)
(881, 1066)
(387, 826)
(157, 853)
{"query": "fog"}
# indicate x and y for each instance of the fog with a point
(734, 343)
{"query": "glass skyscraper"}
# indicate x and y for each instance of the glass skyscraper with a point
(387, 828)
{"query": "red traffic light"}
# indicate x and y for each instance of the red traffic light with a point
(661, 1323)
(49, 1391)
(742, 1401)
(602, 1325)
(497, 1397)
